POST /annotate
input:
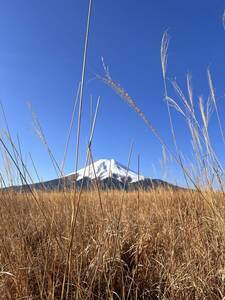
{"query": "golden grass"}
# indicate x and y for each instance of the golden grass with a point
(167, 245)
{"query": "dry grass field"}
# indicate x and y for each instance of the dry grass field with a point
(139, 245)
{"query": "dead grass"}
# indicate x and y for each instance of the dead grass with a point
(168, 245)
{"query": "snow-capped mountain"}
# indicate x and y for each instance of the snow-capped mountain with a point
(108, 168)
(104, 173)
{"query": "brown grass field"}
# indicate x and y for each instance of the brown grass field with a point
(142, 245)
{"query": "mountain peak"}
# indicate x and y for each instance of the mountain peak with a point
(108, 168)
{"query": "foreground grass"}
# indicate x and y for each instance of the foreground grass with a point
(165, 245)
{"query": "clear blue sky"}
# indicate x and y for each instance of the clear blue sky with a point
(41, 46)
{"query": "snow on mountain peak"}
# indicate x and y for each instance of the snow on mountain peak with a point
(107, 168)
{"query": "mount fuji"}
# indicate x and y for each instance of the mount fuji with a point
(105, 174)
(108, 168)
